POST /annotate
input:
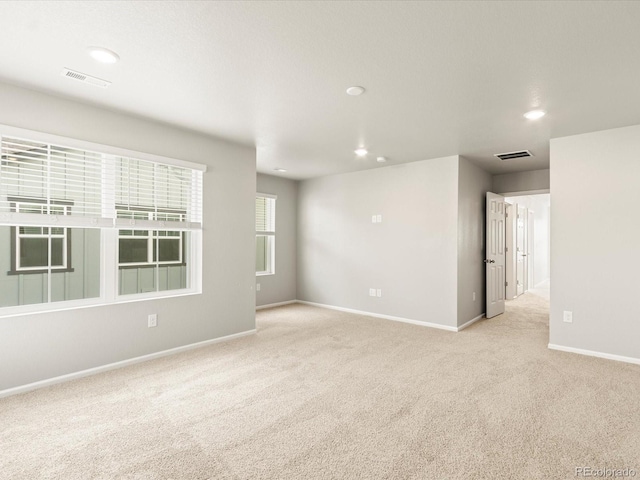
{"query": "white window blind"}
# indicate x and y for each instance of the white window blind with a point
(102, 189)
(50, 175)
(265, 213)
(171, 195)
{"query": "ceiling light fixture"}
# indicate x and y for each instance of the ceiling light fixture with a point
(361, 152)
(280, 169)
(355, 91)
(103, 55)
(535, 114)
(381, 159)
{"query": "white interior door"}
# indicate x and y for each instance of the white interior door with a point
(521, 250)
(495, 255)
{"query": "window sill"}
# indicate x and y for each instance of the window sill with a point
(263, 274)
(34, 309)
(40, 271)
(124, 266)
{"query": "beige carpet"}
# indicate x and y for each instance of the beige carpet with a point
(323, 394)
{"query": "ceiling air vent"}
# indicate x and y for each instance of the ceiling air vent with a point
(84, 78)
(512, 155)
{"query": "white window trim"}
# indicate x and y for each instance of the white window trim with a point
(65, 239)
(109, 234)
(18, 236)
(151, 237)
(271, 257)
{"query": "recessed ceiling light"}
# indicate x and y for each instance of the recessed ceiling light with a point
(535, 114)
(355, 91)
(361, 152)
(280, 169)
(103, 55)
(381, 159)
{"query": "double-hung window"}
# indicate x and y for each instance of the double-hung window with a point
(85, 224)
(265, 234)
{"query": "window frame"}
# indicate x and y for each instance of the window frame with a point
(108, 227)
(16, 268)
(270, 237)
(152, 237)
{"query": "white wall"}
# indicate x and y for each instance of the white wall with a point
(534, 180)
(281, 286)
(595, 246)
(41, 346)
(473, 184)
(411, 255)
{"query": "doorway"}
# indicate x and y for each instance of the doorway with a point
(518, 256)
(528, 245)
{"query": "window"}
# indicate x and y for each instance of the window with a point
(88, 224)
(146, 247)
(36, 249)
(265, 233)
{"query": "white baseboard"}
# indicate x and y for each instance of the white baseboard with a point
(124, 363)
(279, 304)
(378, 315)
(591, 353)
(470, 322)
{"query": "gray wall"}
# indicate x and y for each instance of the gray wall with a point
(411, 255)
(595, 223)
(40, 346)
(534, 180)
(281, 286)
(473, 184)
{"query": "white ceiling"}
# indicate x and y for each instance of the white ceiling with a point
(442, 78)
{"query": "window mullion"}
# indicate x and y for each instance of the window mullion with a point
(109, 280)
(48, 211)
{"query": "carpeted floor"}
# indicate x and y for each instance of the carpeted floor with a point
(324, 394)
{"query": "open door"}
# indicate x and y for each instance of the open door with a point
(495, 256)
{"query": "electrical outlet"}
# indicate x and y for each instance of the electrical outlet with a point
(152, 320)
(379, 218)
(374, 219)
(372, 292)
(474, 296)
(379, 292)
(257, 287)
(567, 316)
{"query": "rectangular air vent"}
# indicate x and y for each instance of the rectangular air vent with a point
(512, 155)
(84, 78)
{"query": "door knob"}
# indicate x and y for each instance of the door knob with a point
(489, 261)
